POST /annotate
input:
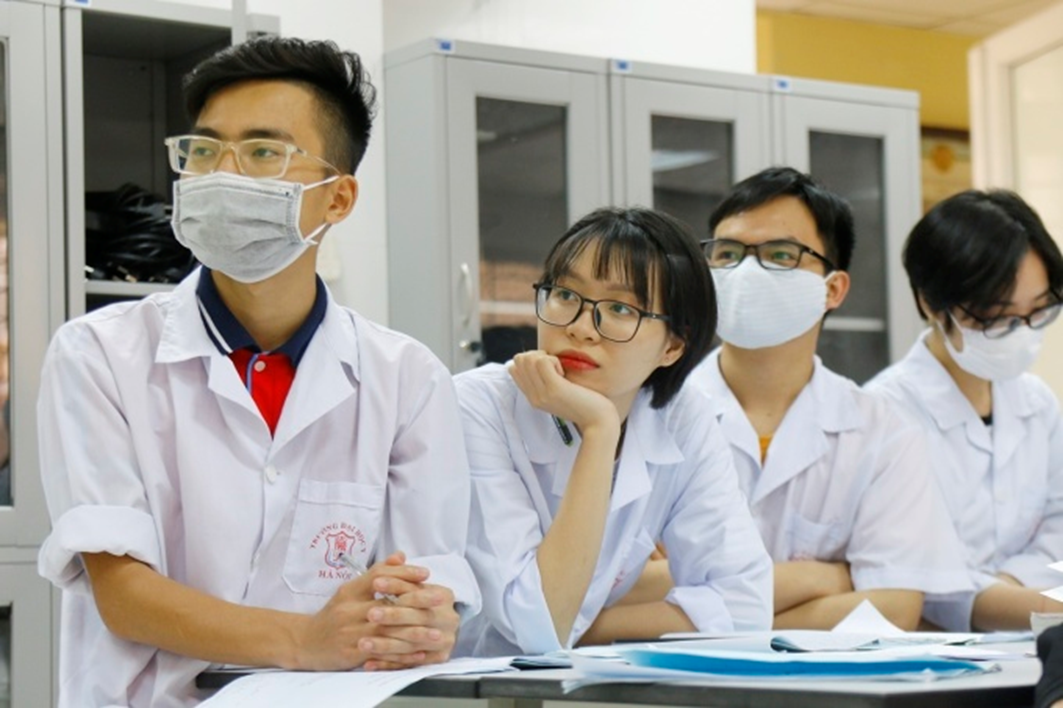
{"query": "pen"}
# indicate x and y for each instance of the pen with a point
(358, 569)
(562, 429)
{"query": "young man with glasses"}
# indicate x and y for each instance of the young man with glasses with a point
(237, 471)
(838, 483)
(988, 279)
(586, 452)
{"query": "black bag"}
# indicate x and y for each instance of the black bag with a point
(128, 237)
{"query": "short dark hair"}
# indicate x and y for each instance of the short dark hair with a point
(967, 249)
(832, 214)
(337, 79)
(649, 249)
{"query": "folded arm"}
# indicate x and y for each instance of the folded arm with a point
(901, 607)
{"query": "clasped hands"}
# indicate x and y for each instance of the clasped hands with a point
(419, 626)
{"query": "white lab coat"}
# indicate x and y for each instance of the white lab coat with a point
(152, 447)
(846, 478)
(674, 482)
(1003, 484)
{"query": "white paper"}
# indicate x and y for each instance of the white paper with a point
(866, 619)
(1057, 592)
(347, 689)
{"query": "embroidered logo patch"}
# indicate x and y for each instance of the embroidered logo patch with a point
(337, 540)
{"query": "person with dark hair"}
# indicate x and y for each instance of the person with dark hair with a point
(836, 480)
(242, 471)
(589, 450)
(988, 279)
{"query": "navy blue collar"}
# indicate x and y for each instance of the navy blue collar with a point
(229, 335)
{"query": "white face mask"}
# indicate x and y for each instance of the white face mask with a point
(994, 359)
(246, 228)
(761, 308)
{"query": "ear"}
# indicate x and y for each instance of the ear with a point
(344, 196)
(673, 351)
(837, 288)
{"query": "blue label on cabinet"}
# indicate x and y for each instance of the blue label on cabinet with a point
(445, 45)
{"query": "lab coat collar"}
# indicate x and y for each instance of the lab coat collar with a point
(183, 334)
(330, 363)
(826, 405)
(647, 441)
(330, 374)
(935, 386)
(1012, 402)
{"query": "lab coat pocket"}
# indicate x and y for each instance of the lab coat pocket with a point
(331, 519)
(631, 566)
(813, 540)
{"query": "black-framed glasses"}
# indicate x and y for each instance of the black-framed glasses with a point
(1002, 326)
(614, 320)
(261, 158)
(772, 255)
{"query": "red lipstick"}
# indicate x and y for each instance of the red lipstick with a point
(572, 360)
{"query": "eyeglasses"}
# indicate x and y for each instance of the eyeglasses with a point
(771, 255)
(614, 320)
(997, 327)
(260, 158)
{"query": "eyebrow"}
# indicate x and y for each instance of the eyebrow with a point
(250, 134)
(609, 286)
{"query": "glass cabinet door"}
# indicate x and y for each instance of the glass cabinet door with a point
(682, 146)
(527, 152)
(30, 247)
(867, 154)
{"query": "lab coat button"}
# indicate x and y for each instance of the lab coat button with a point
(271, 474)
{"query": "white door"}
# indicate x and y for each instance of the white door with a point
(1016, 80)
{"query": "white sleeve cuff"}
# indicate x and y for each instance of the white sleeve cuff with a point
(118, 530)
(453, 572)
(527, 615)
(704, 607)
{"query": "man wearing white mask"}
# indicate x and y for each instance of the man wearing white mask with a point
(988, 278)
(837, 481)
(242, 471)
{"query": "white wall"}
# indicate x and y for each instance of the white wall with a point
(710, 34)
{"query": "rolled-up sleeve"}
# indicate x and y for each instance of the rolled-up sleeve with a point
(428, 487)
(722, 572)
(95, 494)
(902, 534)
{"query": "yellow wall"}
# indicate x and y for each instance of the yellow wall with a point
(932, 63)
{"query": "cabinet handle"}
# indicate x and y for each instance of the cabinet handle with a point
(466, 284)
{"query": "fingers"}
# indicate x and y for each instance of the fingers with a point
(414, 594)
(391, 663)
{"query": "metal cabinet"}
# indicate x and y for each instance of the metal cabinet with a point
(123, 63)
(491, 150)
(862, 143)
(30, 307)
(491, 154)
(681, 138)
